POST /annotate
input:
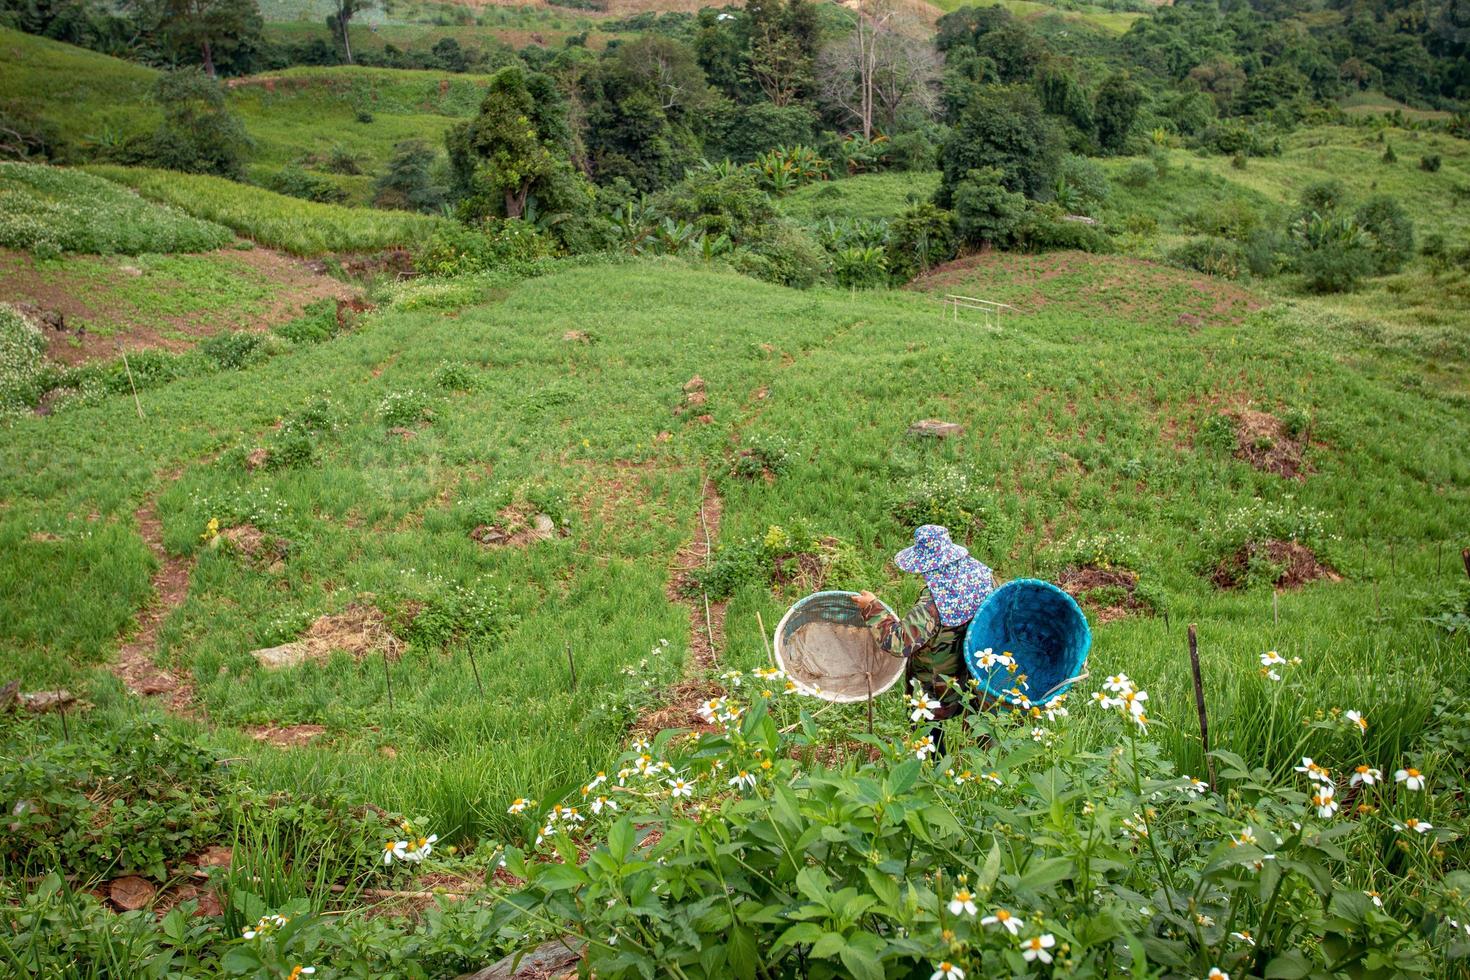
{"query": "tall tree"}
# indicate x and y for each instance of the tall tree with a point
(783, 41)
(878, 69)
(341, 19)
(502, 155)
(206, 25)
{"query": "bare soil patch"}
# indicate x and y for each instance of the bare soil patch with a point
(359, 630)
(76, 297)
(1108, 593)
(517, 526)
(1297, 563)
(134, 664)
(1262, 440)
(286, 736)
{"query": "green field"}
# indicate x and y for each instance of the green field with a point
(866, 196)
(1110, 21)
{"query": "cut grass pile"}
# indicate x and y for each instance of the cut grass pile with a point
(48, 210)
(867, 196)
(1088, 416)
(287, 223)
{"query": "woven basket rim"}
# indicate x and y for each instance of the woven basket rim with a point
(802, 688)
(971, 639)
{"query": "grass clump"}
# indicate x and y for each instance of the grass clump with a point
(47, 211)
(22, 362)
(404, 409)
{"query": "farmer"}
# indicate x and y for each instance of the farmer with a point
(931, 637)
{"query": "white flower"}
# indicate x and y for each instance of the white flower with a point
(1118, 684)
(1004, 919)
(1259, 864)
(1375, 897)
(640, 745)
(1314, 772)
(604, 803)
(993, 778)
(1244, 936)
(1356, 717)
(1272, 659)
(947, 971)
(597, 781)
(1245, 837)
(712, 709)
(394, 849)
(519, 805)
(678, 788)
(1416, 825)
(733, 676)
(1411, 778)
(1217, 974)
(422, 848)
(986, 658)
(924, 707)
(1036, 948)
(963, 901)
(924, 747)
(743, 779)
(298, 971)
(1270, 675)
(1195, 785)
(1366, 775)
(266, 925)
(1324, 802)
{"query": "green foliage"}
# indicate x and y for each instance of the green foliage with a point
(509, 244)
(1384, 219)
(502, 156)
(1430, 163)
(232, 351)
(295, 182)
(1002, 128)
(199, 134)
(299, 227)
(787, 553)
(318, 322)
(474, 614)
(761, 455)
(456, 376)
(1212, 256)
(919, 239)
(406, 182)
(947, 495)
(22, 362)
(48, 211)
(985, 213)
(404, 408)
(130, 800)
(860, 267)
(1115, 110)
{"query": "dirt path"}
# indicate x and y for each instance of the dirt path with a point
(134, 664)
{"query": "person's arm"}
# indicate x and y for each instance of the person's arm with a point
(901, 637)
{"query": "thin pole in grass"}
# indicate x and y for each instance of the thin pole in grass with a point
(1465, 557)
(136, 404)
(1275, 608)
(476, 669)
(65, 728)
(765, 640)
(388, 678)
(1199, 703)
(571, 667)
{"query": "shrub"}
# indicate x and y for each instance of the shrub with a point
(919, 239)
(404, 409)
(198, 134)
(949, 496)
(456, 376)
(295, 182)
(1212, 256)
(860, 268)
(1003, 128)
(784, 554)
(761, 454)
(509, 244)
(1045, 226)
(1389, 156)
(1430, 163)
(232, 351)
(406, 183)
(985, 213)
(1391, 230)
(1138, 174)
(786, 255)
(1086, 179)
(318, 322)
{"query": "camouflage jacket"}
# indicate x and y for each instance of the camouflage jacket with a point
(935, 652)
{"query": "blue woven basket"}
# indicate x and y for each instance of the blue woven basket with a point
(1038, 624)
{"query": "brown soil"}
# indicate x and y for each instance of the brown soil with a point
(1087, 583)
(1261, 440)
(134, 664)
(1133, 288)
(517, 526)
(94, 297)
(286, 736)
(1299, 565)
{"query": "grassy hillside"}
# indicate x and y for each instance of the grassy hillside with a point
(866, 196)
(1089, 415)
(87, 97)
(1110, 21)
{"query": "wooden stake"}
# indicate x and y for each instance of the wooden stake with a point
(1275, 608)
(572, 666)
(476, 668)
(869, 675)
(1465, 557)
(65, 728)
(1199, 702)
(765, 640)
(388, 679)
(136, 404)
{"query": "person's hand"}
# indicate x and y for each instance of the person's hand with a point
(867, 603)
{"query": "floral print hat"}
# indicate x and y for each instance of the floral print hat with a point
(958, 582)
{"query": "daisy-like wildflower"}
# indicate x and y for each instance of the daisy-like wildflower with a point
(962, 778)
(1004, 919)
(986, 658)
(1411, 778)
(732, 677)
(1416, 825)
(1056, 710)
(1324, 802)
(1133, 701)
(924, 707)
(1272, 659)
(680, 787)
(924, 747)
(394, 849)
(1270, 674)
(1135, 826)
(1195, 785)
(266, 925)
(1036, 948)
(1366, 775)
(604, 803)
(1374, 897)
(640, 745)
(1259, 864)
(1118, 683)
(421, 848)
(1244, 838)
(1313, 771)
(1217, 974)
(744, 779)
(1356, 717)
(1244, 936)
(963, 901)
(993, 778)
(712, 709)
(298, 971)
(946, 970)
